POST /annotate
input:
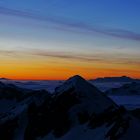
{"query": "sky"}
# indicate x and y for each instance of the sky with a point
(55, 39)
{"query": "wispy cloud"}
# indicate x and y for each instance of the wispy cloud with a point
(88, 58)
(65, 55)
(72, 25)
(97, 58)
(7, 52)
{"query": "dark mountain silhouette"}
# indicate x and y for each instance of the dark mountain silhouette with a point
(4, 78)
(77, 110)
(136, 112)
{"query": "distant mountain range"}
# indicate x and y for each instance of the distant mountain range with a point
(77, 110)
(127, 89)
(116, 79)
(102, 79)
(4, 79)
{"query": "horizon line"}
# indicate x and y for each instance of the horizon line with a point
(63, 79)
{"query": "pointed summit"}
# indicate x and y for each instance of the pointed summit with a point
(75, 78)
(89, 96)
(78, 83)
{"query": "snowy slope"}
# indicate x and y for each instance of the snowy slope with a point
(130, 102)
(82, 132)
(121, 127)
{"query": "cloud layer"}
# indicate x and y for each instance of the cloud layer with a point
(69, 25)
(93, 58)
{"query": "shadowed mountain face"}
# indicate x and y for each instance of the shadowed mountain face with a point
(136, 112)
(89, 96)
(77, 110)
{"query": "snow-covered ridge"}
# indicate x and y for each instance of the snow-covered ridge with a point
(77, 110)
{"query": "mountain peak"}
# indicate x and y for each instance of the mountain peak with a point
(74, 79)
(2, 78)
(88, 95)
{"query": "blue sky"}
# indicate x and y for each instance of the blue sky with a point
(94, 30)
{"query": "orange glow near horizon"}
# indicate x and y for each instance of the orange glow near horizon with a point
(51, 71)
(64, 76)
(57, 43)
(50, 68)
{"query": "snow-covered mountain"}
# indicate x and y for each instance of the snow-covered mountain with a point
(107, 83)
(127, 89)
(116, 79)
(77, 110)
(11, 91)
(89, 96)
(127, 95)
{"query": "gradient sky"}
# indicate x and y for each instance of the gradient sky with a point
(55, 39)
